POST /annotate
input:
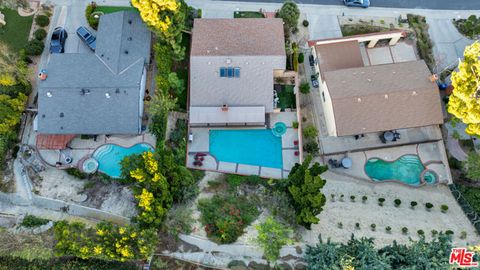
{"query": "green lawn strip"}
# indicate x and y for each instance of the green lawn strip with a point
(287, 97)
(15, 32)
(112, 9)
(247, 14)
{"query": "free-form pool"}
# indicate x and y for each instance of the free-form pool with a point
(257, 147)
(109, 157)
(407, 169)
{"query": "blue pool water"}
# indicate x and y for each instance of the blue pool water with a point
(247, 146)
(407, 169)
(110, 155)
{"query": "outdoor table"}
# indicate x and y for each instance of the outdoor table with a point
(389, 136)
(347, 162)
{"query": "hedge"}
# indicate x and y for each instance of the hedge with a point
(34, 47)
(63, 263)
(42, 20)
(40, 34)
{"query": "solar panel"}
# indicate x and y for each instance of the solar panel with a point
(223, 72)
(237, 72)
(230, 72)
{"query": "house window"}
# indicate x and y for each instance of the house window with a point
(223, 72)
(236, 72)
(230, 72)
(323, 96)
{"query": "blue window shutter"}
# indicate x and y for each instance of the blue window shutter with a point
(230, 72)
(223, 72)
(237, 72)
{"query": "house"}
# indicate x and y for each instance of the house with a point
(232, 68)
(237, 122)
(359, 97)
(101, 92)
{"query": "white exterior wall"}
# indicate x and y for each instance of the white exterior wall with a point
(253, 88)
(328, 110)
(141, 97)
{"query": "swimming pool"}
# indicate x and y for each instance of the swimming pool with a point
(407, 169)
(109, 157)
(257, 147)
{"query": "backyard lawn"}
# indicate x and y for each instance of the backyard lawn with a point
(15, 32)
(112, 9)
(247, 14)
(287, 97)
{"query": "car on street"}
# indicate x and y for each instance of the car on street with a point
(314, 80)
(57, 42)
(357, 3)
(311, 60)
(86, 36)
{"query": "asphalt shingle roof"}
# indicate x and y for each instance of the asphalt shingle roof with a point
(98, 93)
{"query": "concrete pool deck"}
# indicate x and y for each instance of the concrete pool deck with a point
(431, 154)
(201, 144)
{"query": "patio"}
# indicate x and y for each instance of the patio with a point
(432, 156)
(201, 141)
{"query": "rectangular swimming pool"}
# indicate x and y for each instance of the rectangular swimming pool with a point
(257, 147)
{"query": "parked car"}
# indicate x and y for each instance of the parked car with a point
(311, 60)
(87, 37)
(57, 43)
(314, 81)
(357, 3)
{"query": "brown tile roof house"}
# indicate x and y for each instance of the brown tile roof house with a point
(232, 63)
(340, 55)
(230, 37)
(383, 97)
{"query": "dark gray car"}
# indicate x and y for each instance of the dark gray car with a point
(57, 43)
(86, 36)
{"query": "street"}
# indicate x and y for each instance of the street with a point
(422, 4)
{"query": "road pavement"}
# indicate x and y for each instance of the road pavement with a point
(420, 4)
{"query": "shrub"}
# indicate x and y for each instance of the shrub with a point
(42, 20)
(179, 220)
(305, 89)
(388, 229)
(88, 15)
(381, 201)
(413, 204)
(352, 198)
(364, 199)
(295, 124)
(76, 172)
(40, 34)
(404, 230)
(332, 197)
(225, 217)
(340, 225)
(305, 23)
(463, 235)
(311, 147)
(34, 47)
(397, 202)
(271, 237)
(373, 226)
(301, 58)
(449, 232)
(33, 221)
(421, 232)
(429, 206)
(434, 233)
(310, 131)
(341, 197)
(444, 208)
(357, 226)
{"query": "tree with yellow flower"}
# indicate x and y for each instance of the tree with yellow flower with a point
(464, 102)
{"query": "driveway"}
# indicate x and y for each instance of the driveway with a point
(448, 42)
(323, 26)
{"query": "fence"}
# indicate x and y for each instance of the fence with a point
(471, 214)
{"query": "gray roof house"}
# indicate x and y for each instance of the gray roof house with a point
(232, 67)
(101, 92)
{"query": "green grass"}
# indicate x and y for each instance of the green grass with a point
(247, 14)
(472, 195)
(360, 29)
(287, 97)
(112, 9)
(15, 32)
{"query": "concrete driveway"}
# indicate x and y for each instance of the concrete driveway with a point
(323, 26)
(449, 44)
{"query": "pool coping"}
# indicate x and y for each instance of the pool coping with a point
(422, 182)
(93, 152)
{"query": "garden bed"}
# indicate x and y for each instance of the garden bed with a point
(286, 97)
(424, 44)
(247, 14)
(361, 28)
(469, 27)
